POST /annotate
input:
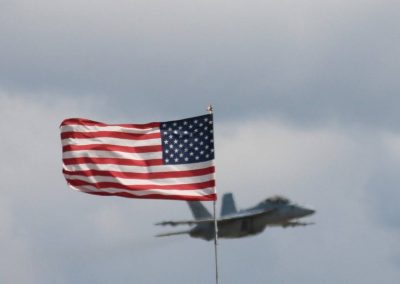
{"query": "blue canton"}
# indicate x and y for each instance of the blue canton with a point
(188, 140)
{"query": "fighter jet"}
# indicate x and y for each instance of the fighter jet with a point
(274, 211)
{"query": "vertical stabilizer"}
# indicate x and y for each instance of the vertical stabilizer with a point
(228, 204)
(198, 210)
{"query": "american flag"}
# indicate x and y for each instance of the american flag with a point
(157, 160)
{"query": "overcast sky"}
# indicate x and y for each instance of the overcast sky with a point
(306, 97)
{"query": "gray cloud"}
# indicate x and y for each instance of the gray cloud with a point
(305, 62)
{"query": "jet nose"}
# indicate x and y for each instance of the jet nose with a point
(307, 211)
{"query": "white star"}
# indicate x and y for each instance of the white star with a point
(167, 151)
(164, 125)
(170, 136)
(186, 159)
(201, 143)
(191, 153)
(186, 149)
(190, 126)
(171, 155)
(171, 146)
(201, 152)
(174, 124)
(181, 155)
(180, 145)
(201, 133)
(166, 160)
(176, 150)
(175, 141)
(201, 124)
(185, 122)
(166, 141)
(195, 121)
(197, 157)
(176, 160)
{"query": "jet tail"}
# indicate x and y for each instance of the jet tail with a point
(228, 205)
(198, 210)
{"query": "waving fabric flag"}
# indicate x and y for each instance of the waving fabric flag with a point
(161, 160)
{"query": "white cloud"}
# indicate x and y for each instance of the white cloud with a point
(17, 264)
(57, 235)
(329, 168)
(269, 157)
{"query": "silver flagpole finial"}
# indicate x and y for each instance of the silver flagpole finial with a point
(210, 108)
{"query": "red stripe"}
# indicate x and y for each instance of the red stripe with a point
(100, 185)
(110, 134)
(113, 161)
(88, 122)
(157, 175)
(155, 196)
(107, 147)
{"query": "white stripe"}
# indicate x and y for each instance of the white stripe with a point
(138, 169)
(85, 128)
(194, 193)
(161, 181)
(112, 154)
(111, 141)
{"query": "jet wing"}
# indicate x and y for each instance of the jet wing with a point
(173, 234)
(224, 219)
(295, 224)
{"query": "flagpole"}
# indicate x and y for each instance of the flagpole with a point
(210, 111)
(215, 244)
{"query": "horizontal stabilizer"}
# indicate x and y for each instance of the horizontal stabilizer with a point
(184, 222)
(172, 234)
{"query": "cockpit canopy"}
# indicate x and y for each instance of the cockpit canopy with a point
(277, 200)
